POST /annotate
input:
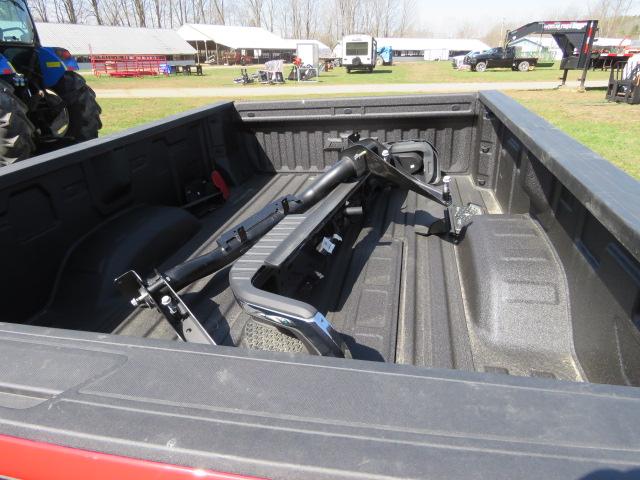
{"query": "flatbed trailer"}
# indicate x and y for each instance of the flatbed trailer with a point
(605, 61)
(574, 37)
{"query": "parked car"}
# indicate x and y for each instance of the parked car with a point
(458, 60)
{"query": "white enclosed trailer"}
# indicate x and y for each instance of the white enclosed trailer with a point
(309, 53)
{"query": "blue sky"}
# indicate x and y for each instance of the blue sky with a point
(444, 17)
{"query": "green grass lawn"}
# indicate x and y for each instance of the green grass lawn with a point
(419, 72)
(612, 130)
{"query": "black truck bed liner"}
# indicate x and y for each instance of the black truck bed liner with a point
(543, 288)
(397, 295)
(380, 279)
(502, 301)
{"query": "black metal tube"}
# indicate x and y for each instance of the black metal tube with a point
(341, 171)
(245, 235)
(357, 160)
(188, 272)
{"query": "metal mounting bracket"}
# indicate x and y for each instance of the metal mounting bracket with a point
(169, 303)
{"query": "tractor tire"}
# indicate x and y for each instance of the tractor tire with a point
(379, 61)
(82, 107)
(17, 133)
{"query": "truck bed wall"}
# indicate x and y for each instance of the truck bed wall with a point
(573, 193)
(586, 206)
(49, 203)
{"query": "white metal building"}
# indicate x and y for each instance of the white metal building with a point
(543, 47)
(414, 49)
(256, 43)
(84, 40)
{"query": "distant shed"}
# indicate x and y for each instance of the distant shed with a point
(85, 40)
(323, 50)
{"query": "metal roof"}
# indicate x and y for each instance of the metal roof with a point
(234, 37)
(105, 40)
(546, 41)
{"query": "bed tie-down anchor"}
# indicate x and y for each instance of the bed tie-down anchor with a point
(267, 240)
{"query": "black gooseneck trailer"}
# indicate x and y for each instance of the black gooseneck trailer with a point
(574, 37)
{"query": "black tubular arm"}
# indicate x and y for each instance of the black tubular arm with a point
(347, 167)
(366, 157)
(235, 242)
(362, 159)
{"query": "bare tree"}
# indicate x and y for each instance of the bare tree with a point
(70, 8)
(40, 10)
(140, 12)
(406, 16)
(124, 8)
(111, 12)
(255, 12)
(219, 11)
(328, 20)
(294, 14)
(466, 30)
(196, 12)
(95, 10)
(57, 10)
(270, 15)
(310, 18)
(388, 14)
(158, 6)
(345, 12)
(181, 13)
(619, 10)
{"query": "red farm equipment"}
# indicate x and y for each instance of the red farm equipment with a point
(129, 65)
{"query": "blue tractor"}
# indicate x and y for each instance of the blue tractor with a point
(385, 56)
(44, 103)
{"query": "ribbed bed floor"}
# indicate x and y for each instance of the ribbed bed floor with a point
(389, 306)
